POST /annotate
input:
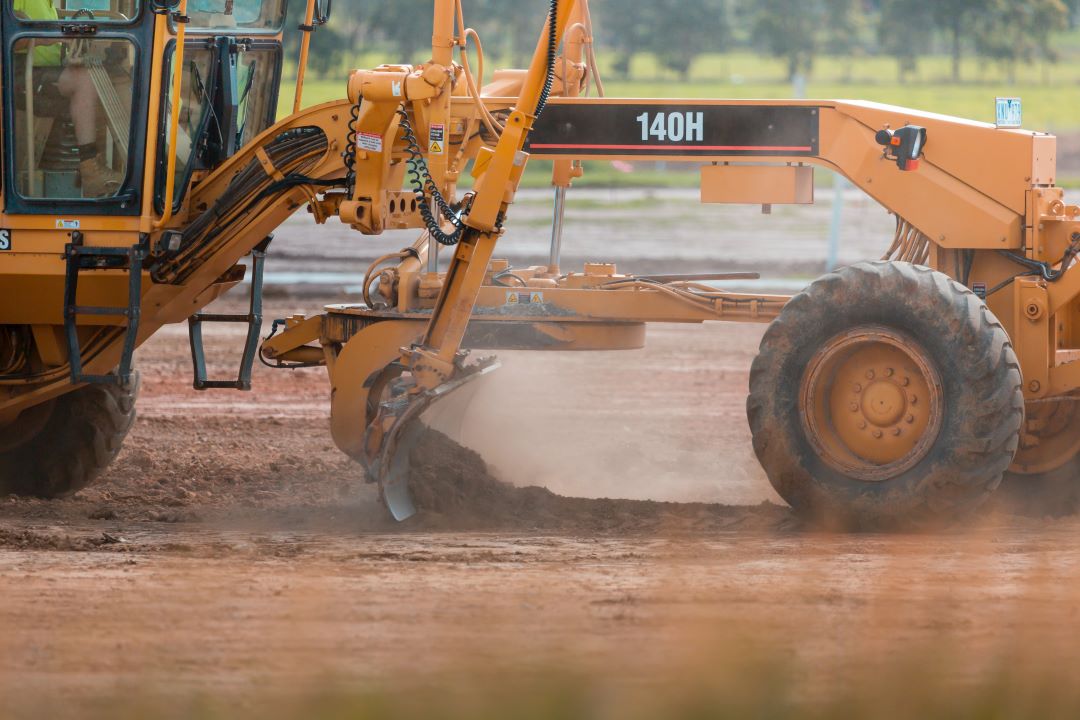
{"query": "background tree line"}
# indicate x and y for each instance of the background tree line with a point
(677, 32)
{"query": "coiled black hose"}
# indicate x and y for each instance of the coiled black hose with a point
(348, 156)
(423, 185)
(552, 55)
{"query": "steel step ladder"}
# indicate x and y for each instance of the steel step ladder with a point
(253, 319)
(79, 259)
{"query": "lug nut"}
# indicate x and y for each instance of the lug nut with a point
(854, 407)
(857, 388)
(896, 432)
(914, 400)
(862, 424)
(905, 382)
(889, 372)
(877, 434)
(910, 419)
(869, 374)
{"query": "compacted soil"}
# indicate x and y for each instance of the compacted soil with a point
(233, 552)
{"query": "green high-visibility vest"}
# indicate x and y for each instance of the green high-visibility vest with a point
(44, 55)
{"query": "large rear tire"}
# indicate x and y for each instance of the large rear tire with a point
(885, 396)
(71, 441)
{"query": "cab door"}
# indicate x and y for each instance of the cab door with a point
(75, 80)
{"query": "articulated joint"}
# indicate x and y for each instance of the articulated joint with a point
(398, 83)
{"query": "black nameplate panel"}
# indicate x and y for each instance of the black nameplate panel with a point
(642, 129)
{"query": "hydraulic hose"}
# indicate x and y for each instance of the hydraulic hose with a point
(424, 185)
(294, 152)
(552, 55)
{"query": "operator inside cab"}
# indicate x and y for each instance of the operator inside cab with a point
(78, 79)
(73, 101)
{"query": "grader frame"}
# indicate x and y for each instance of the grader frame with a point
(972, 201)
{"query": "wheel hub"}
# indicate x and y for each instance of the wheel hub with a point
(883, 404)
(872, 403)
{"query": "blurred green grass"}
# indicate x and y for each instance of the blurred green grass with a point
(730, 682)
(1051, 93)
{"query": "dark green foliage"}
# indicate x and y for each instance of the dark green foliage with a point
(1015, 32)
(789, 29)
(677, 32)
(901, 32)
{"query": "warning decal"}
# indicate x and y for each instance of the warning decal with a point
(437, 138)
(369, 141)
(515, 297)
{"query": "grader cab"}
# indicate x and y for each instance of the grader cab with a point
(142, 163)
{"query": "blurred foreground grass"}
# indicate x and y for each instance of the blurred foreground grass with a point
(731, 682)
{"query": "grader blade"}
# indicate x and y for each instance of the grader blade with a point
(405, 417)
(449, 415)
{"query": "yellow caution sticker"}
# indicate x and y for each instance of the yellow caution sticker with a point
(437, 138)
(517, 297)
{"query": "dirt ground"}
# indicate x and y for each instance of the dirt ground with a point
(233, 552)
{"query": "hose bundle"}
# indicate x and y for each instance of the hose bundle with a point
(293, 153)
(909, 244)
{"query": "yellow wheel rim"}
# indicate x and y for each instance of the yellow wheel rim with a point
(871, 403)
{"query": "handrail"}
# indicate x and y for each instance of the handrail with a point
(31, 161)
(305, 43)
(174, 119)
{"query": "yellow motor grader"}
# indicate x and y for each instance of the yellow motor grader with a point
(142, 164)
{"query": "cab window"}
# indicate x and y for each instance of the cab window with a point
(228, 96)
(194, 118)
(257, 96)
(73, 104)
(236, 16)
(102, 11)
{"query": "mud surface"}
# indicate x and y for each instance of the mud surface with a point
(455, 489)
(231, 549)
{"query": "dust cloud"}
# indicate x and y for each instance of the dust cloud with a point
(664, 423)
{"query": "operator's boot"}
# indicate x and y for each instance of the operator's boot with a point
(98, 180)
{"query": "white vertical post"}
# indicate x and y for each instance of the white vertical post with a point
(832, 256)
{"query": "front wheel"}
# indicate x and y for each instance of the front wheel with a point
(885, 396)
(61, 446)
